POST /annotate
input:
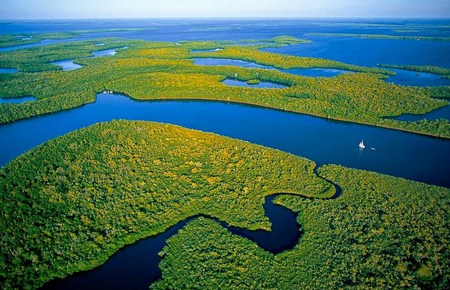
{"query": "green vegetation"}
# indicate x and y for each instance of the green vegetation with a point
(443, 72)
(383, 36)
(21, 39)
(288, 40)
(38, 59)
(382, 233)
(281, 61)
(253, 82)
(159, 70)
(70, 203)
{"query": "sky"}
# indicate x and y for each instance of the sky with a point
(63, 9)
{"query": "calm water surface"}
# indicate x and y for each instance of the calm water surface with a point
(67, 64)
(371, 52)
(106, 52)
(8, 70)
(17, 100)
(397, 153)
(412, 78)
(136, 266)
(401, 77)
(266, 85)
(440, 113)
(228, 62)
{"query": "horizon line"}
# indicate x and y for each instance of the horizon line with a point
(233, 17)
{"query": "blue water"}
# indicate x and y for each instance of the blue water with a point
(320, 140)
(440, 113)
(367, 52)
(8, 70)
(16, 100)
(266, 85)
(412, 78)
(40, 43)
(138, 263)
(371, 52)
(67, 64)
(315, 72)
(106, 52)
(311, 72)
(229, 62)
(402, 77)
(206, 50)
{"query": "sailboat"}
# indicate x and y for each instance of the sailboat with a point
(361, 144)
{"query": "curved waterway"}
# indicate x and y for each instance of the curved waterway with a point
(17, 100)
(439, 113)
(397, 153)
(262, 84)
(8, 70)
(136, 266)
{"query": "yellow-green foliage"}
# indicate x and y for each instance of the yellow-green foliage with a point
(38, 58)
(382, 233)
(69, 204)
(153, 70)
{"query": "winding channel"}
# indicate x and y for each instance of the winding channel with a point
(397, 153)
(136, 266)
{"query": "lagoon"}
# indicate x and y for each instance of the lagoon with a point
(228, 62)
(17, 100)
(413, 78)
(401, 77)
(136, 266)
(439, 113)
(67, 64)
(8, 70)
(315, 72)
(266, 85)
(106, 52)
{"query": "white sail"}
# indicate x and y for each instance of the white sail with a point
(361, 144)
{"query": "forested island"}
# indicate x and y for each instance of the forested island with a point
(70, 203)
(160, 70)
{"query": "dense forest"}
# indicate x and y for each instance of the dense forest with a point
(382, 233)
(164, 70)
(70, 203)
